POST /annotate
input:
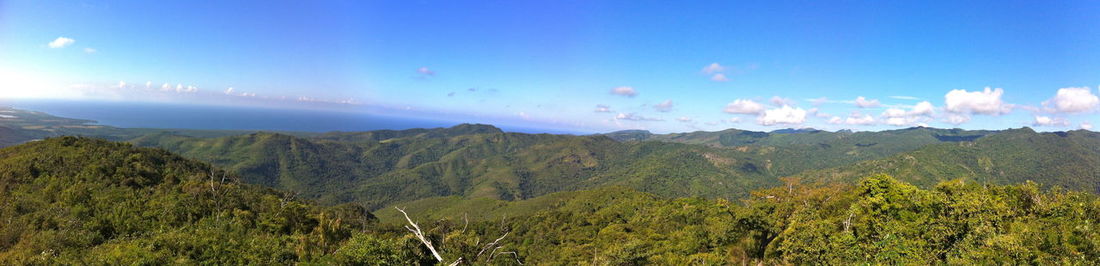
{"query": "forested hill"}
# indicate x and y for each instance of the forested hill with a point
(1067, 159)
(877, 220)
(79, 201)
(384, 167)
(496, 165)
(379, 168)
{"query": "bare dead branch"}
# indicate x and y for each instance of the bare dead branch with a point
(415, 229)
(467, 219)
(459, 260)
(493, 254)
(491, 245)
(848, 222)
(514, 255)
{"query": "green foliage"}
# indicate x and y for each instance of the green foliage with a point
(1058, 159)
(470, 161)
(879, 221)
(380, 168)
(894, 222)
(82, 201)
(960, 197)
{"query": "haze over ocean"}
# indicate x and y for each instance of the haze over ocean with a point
(189, 116)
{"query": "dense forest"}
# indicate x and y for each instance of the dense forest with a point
(474, 194)
(382, 168)
(76, 200)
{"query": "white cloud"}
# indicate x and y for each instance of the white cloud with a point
(1073, 100)
(894, 112)
(862, 120)
(148, 84)
(89, 50)
(836, 120)
(817, 112)
(165, 87)
(121, 84)
(905, 98)
(957, 118)
(229, 90)
(898, 121)
(734, 120)
(819, 101)
(713, 68)
(862, 102)
(425, 71)
(780, 101)
(782, 115)
(603, 108)
(664, 106)
(740, 106)
(189, 89)
(920, 113)
(61, 42)
(1086, 125)
(1048, 121)
(987, 102)
(716, 71)
(923, 108)
(684, 119)
(635, 117)
(624, 91)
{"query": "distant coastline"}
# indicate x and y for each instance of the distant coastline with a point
(207, 117)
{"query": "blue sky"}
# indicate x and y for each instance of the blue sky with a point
(556, 64)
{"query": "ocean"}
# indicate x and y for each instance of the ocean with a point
(180, 116)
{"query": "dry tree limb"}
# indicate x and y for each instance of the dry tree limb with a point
(415, 229)
(459, 260)
(513, 254)
(492, 244)
(466, 218)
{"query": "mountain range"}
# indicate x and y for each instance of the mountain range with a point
(915, 195)
(381, 168)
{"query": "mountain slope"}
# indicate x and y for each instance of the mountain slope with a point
(382, 168)
(877, 220)
(474, 163)
(75, 200)
(1065, 159)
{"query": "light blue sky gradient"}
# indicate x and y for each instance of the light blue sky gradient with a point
(549, 64)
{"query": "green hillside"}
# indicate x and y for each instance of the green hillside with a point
(497, 165)
(478, 161)
(1066, 159)
(876, 221)
(72, 201)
